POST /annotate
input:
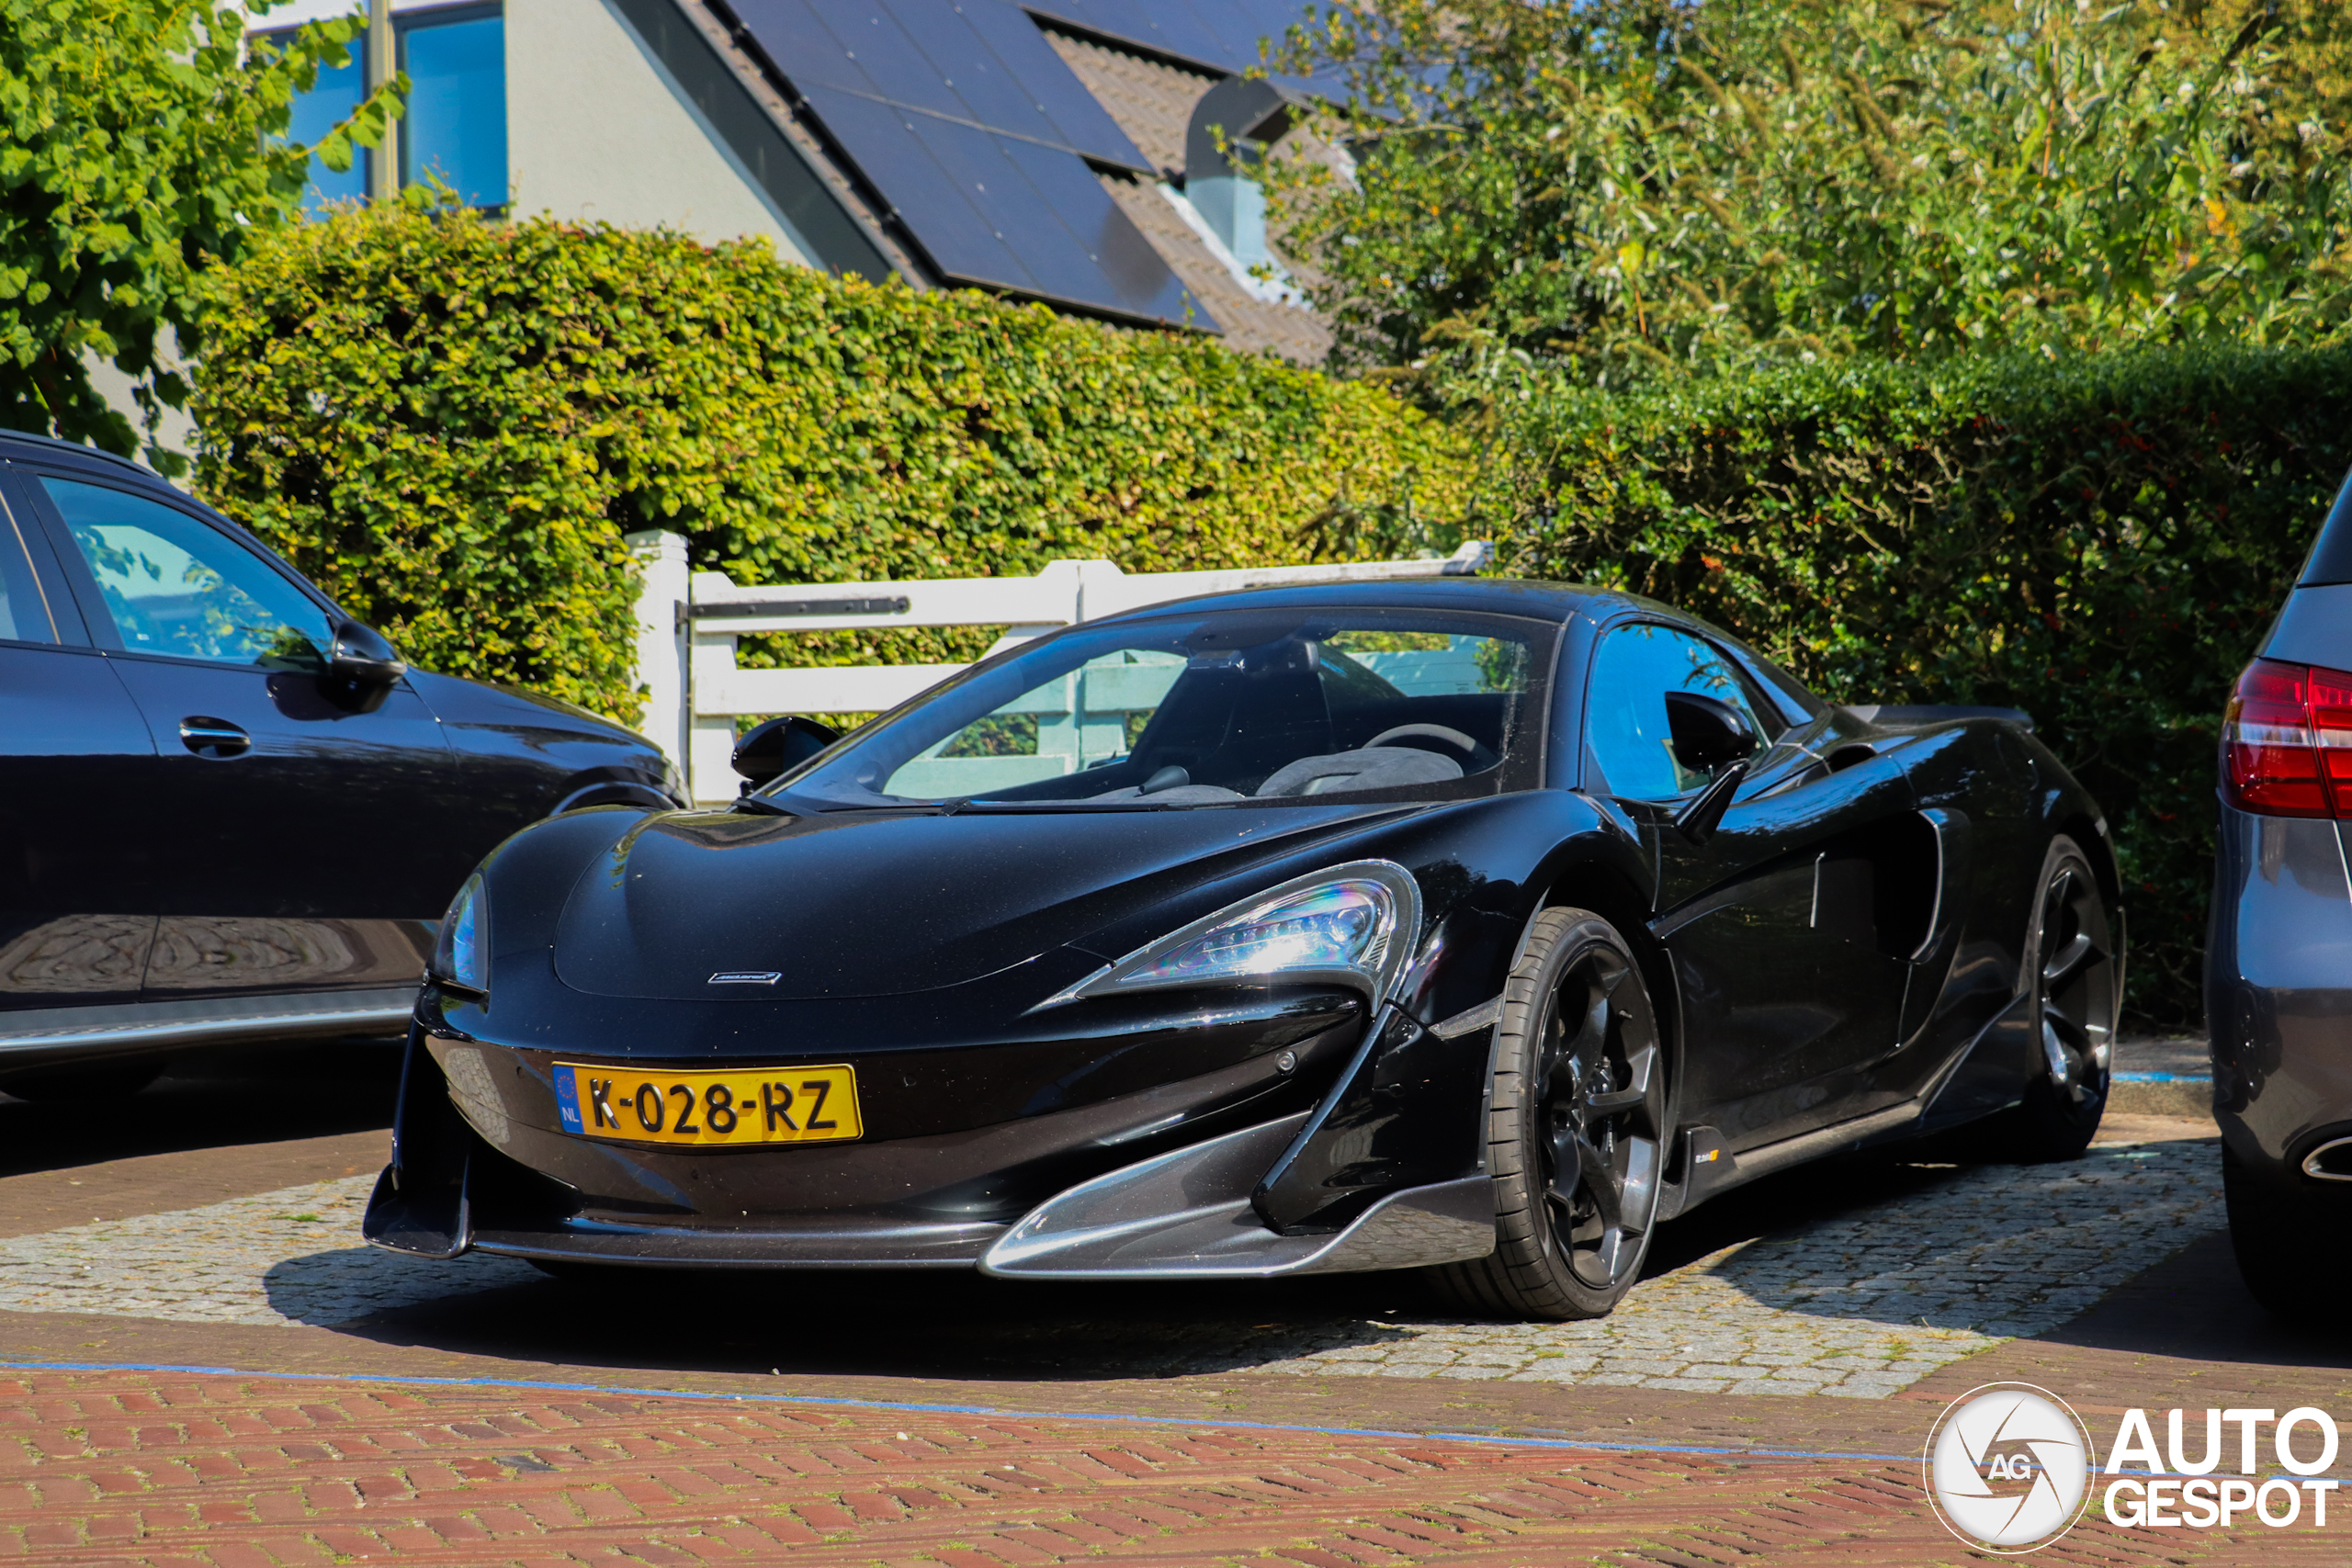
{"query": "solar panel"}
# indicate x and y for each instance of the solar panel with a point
(978, 137)
(981, 62)
(1001, 212)
(1116, 251)
(959, 240)
(802, 45)
(1221, 34)
(1040, 74)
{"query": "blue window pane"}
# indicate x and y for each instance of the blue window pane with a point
(456, 124)
(328, 103)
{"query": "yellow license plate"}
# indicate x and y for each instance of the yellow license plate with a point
(730, 1107)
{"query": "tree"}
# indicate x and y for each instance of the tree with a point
(1637, 188)
(142, 146)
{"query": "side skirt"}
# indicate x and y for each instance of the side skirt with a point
(59, 1034)
(1711, 1168)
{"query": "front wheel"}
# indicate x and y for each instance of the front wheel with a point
(1577, 1129)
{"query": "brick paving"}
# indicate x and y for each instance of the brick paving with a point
(225, 1471)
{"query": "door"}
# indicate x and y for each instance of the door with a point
(1780, 924)
(77, 907)
(298, 840)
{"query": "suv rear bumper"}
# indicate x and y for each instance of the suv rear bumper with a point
(2278, 988)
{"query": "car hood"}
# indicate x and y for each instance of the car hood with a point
(870, 904)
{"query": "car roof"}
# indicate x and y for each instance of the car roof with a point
(50, 447)
(1494, 595)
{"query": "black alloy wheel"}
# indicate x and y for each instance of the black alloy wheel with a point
(1577, 1129)
(2073, 968)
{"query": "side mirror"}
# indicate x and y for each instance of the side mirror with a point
(779, 744)
(360, 654)
(1708, 732)
(361, 668)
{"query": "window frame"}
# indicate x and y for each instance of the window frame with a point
(422, 19)
(83, 584)
(24, 542)
(405, 20)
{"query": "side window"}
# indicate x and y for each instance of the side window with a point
(1626, 737)
(176, 587)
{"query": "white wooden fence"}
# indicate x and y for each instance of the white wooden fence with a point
(687, 624)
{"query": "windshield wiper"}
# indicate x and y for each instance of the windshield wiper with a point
(758, 806)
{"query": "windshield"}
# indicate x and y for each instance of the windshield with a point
(1215, 708)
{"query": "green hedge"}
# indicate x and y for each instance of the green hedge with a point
(2100, 542)
(450, 423)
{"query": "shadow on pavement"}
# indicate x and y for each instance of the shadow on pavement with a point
(2194, 1307)
(249, 1094)
(959, 1324)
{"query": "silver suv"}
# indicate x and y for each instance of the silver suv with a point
(2278, 957)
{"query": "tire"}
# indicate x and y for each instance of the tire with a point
(1576, 1130)
(2284, 1240)
(2072, 970)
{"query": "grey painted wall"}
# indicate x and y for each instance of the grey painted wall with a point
(598, 128)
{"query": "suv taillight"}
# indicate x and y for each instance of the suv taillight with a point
(2287, 741)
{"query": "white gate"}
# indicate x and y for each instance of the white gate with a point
(687, 624)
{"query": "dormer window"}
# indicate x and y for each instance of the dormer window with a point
(1233, 127)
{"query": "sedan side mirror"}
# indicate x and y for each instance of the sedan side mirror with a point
(1708, 732)
(779, 744)
(362, 667)
(361, 654)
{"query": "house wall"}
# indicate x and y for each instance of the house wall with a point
(598, 128)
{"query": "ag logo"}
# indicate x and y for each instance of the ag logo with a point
(2008, 1467)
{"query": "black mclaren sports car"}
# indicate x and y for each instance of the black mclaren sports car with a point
(1466, 924)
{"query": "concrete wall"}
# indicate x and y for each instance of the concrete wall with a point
(598, 128)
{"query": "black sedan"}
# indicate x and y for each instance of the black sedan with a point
(1475, 924)
(228, 811)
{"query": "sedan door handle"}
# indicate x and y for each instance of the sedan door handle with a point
(214, 736)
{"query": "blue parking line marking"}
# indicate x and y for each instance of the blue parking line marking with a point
(1693, 1450)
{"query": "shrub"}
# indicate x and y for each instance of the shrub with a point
(449, 423)
(2098, 541)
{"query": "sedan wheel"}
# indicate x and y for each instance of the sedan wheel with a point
(1576, 1130)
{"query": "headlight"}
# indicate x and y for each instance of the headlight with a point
(462, 954)
(1353, 922)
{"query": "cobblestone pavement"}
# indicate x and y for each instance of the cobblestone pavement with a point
(1860, 1305)
(289, 1256)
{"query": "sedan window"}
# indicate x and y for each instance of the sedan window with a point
(1212, 709)
(175, 587)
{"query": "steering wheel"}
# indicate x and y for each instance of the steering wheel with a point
(1475, 756)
